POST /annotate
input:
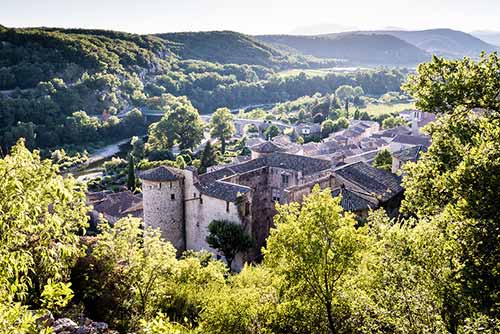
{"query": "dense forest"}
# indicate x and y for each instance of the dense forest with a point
(435, 269)
(70, 87)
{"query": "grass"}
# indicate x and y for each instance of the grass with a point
(380, 109)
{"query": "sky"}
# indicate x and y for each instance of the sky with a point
(251, 16)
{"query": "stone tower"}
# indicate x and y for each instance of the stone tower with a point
(163, 203)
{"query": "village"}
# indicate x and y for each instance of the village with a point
(182, 203)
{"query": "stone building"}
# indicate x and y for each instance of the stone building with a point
(182, 203)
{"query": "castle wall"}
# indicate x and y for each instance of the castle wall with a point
(164, 211)
(201, 211)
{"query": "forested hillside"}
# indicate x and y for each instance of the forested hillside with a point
(72, 86)
(368, 49)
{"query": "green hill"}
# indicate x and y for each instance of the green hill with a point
(229, 47)
(370, 49)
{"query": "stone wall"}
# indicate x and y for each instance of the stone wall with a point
(164, 209)
(201, 211)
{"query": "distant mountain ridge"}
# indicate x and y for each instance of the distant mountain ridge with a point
(361, 48)
(442, 42)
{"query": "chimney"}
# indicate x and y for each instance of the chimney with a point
(414, 123)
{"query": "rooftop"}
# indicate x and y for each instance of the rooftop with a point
(412, 140)
(212, 183)
(352, 201)
(410, 154)
(384, 185)
(267, 147)
(161, 174)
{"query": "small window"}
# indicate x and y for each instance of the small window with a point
(201, 200)
(227, 206)
(170, 184)
(160, 185)
(284, 179)
(172, 197)
(194, 195)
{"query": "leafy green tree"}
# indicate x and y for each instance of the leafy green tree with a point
(208, 157)
(180, 162)
(442, 85)
(222, 126)
(456, 180)
(316, 247)
(383, 160)
(229, 238)
(180, 125)
(327, 127)
(272, 131)
(138, 147)
(42, 213)
(392, 122)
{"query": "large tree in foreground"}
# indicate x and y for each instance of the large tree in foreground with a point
(222, 126)
(41, 214)
(458, 179)
(316, 246)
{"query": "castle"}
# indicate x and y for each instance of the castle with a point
(182, 203)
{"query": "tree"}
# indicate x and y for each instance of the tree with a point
(180, 162)
(42, 215)
(138, 147)
(439, 86)
(315, 247)
(457, 179)
(222, 126)
(327, 127)
(229, 238)
(131, 179)
(272, 131)
(181, 125)
(383, 160)
(345, 93)
(392, 122)
(208, 157)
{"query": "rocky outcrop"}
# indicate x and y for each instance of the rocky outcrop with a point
(87, 326)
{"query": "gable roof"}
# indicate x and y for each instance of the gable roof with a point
(161, 174)
(384, 185)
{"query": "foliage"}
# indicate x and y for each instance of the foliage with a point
(440, 86)
(222, 126)
(208, 157)
(392, 122)
(229, 238)
(383, 160)
(272, 131)
(316, 247)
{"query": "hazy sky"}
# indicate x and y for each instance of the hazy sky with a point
(252, 16)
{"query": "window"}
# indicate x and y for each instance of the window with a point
(276, 195)
(201, 199)
(172, 197)
(227, 206)
(284, 179)
(194, 195)
(170, 184)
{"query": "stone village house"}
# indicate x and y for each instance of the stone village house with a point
(182, 203)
